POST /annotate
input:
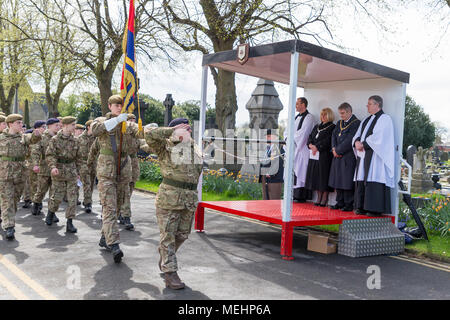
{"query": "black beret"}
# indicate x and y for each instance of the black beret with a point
(52, 121)
(39, 124)
(178, 121)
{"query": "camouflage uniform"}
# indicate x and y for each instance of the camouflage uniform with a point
(113, 191)
(44, 180)
(137, 144)
(27, 192)
(177, 196)
(63, 153)
(87, 173)
(13, 149)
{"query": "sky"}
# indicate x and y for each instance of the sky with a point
(416, 44)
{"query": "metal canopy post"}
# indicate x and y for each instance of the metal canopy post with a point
(201, 127)
(287, 228)
(288, 172)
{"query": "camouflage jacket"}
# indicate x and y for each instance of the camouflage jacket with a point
(14, 148)
(85, 142)
(38, 154)
(63, 153)
(106, 161)
(180, 162)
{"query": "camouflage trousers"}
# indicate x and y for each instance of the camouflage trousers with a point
(59, 189)
(174, 229)
(44, 184)
(125, 209)
(112, 196)
(10, 192)
(88, 180)
(30, 185)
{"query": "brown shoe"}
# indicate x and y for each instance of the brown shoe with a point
(173, 281)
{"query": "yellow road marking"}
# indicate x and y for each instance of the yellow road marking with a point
(16, 293)
(26, 279)
(426, 264)
(433, 265)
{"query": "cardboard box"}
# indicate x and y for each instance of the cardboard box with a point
(320, 243)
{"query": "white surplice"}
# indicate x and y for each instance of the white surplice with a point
(301, 149)
(382, 166)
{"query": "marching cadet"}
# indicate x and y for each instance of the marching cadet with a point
(181, 164)
(13, 148)
(2, 127)
(64, 162)
(125, 210)
(87, 172)
(113, 188)
(40, 165)
(31, 177)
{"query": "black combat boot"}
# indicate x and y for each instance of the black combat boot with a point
(102, 243)
(121, 219)
(55, 218)
(10, 233)
(117, 253)
(69, 227)
(88, 207)
(36, 209)
(27, 204)
(128, 224)
(49, 218)
(173, 281)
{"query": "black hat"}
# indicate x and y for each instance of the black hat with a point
(52, 121)
(39, 124)
(178, 121)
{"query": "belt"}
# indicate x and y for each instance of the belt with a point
(15, 159)
(61, 160)
(180, 184)
(111, 153)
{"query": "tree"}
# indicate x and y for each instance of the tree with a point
(99, 29)
(211, 26)
(26, 116)
(16, 56)
(418, 129)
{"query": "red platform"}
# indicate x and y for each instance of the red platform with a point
(303, 214)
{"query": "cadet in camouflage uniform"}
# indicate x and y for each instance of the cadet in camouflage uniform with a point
(125, 210)
(181, 162)
(64, 162)
(13, 148)
(31, 177)
(87, 173)
(40, 165)
(113, 189)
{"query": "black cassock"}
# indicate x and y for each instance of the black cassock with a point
(343, 169)
(318, 171)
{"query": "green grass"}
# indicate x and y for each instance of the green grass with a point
(207, 196)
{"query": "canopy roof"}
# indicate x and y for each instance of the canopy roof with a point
(316, 64)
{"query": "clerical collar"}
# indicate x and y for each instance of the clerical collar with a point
(302, 114)
(379, 113)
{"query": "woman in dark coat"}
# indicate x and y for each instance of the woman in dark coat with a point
(319, 144)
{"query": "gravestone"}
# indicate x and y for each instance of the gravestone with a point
(410, 152)
(421, 180)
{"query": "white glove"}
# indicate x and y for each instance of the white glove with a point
(112, 123)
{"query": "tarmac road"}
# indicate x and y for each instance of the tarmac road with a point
(234, 259)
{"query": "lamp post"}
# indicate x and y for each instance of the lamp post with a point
(168, 103)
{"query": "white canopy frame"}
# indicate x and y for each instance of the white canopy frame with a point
(328, 78)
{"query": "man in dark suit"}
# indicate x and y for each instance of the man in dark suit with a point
(272, 169)
(344, 160)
